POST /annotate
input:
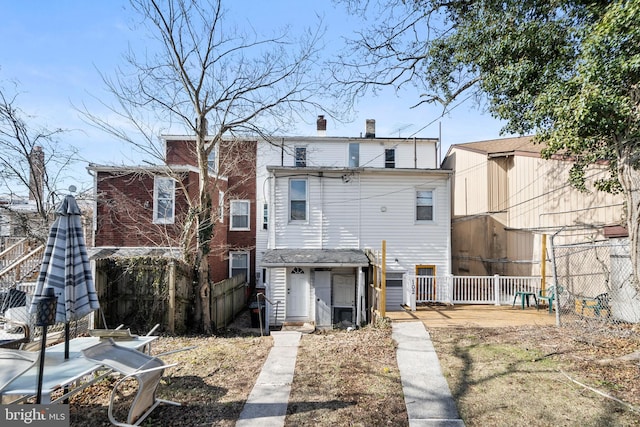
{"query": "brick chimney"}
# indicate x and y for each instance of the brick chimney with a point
(370, 129)
(36, 175)
(322, 126)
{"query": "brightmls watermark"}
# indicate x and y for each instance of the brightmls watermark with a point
(34, 415)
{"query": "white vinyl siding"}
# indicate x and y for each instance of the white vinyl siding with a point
(239, 214)
(368, 209)
(164, 200)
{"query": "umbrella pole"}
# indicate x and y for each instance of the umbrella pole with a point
(41, 370)
(66, 340)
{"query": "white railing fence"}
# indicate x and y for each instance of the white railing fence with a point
(496, 290)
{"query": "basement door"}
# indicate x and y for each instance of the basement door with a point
(298, 293)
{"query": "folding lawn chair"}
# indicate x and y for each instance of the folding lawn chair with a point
(14, 363)
(145, 369)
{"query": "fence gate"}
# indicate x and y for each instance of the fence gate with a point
(595, 283)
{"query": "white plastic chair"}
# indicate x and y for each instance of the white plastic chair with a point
(145, 369)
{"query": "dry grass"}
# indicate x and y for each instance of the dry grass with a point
(526, 376)
(513, 376)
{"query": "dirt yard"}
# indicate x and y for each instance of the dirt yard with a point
(500, 376)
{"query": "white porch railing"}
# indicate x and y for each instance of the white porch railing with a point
(496, 290)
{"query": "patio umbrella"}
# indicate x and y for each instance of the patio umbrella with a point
(66, 268)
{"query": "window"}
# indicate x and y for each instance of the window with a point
(394, 280)
(239, 264)
(265, 216)
(301, 157)
(221, 206)
(164, 198)
(239, 213)
(425, 282)
(298, 200)
(424, 205)
(354, 154)
(390, 158)
(212, 160)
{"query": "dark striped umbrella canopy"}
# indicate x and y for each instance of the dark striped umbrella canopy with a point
(65, 266)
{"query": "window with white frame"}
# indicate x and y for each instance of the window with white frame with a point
(221, 206)
(354, 154)
(298, 200)
(164, 200)
(394, 279)
(424, 205)
(212, 160)
(239, 214)
(301, 157)
(239, 264)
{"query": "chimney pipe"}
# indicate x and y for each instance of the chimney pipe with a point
(36, 173)
(322, 126)
(370, 130)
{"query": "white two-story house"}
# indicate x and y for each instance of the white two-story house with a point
(328, 201)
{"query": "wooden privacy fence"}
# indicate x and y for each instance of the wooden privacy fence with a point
(143, 291)
(227, 299)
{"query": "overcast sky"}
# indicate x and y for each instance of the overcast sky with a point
(53, 49)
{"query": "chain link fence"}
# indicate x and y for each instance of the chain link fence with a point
(594, 286)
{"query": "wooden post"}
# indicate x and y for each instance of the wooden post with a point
(383, 284)
(172, 297)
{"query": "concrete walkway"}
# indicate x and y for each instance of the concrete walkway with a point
(267, 403)
(426, 392)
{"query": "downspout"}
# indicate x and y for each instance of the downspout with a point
(415, 153)
(320, 175)
(282, 152)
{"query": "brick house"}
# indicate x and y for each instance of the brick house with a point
(144, 208)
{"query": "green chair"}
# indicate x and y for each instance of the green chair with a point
(549, 296)
(601, 309)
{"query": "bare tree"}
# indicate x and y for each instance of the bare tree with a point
(32, 165)
(221, 83)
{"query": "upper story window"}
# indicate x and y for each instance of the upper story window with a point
(424, 205)
(239, 213)
(164, 200)
(212, 160)
(221, 206)
(265, 216)
(354, 154)
(298, 200)
(390, 158)
(301, 157)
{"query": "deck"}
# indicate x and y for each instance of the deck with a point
(488, 316)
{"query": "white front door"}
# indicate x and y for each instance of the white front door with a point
(298, 292)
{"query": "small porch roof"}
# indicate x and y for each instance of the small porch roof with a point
(315, 257)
